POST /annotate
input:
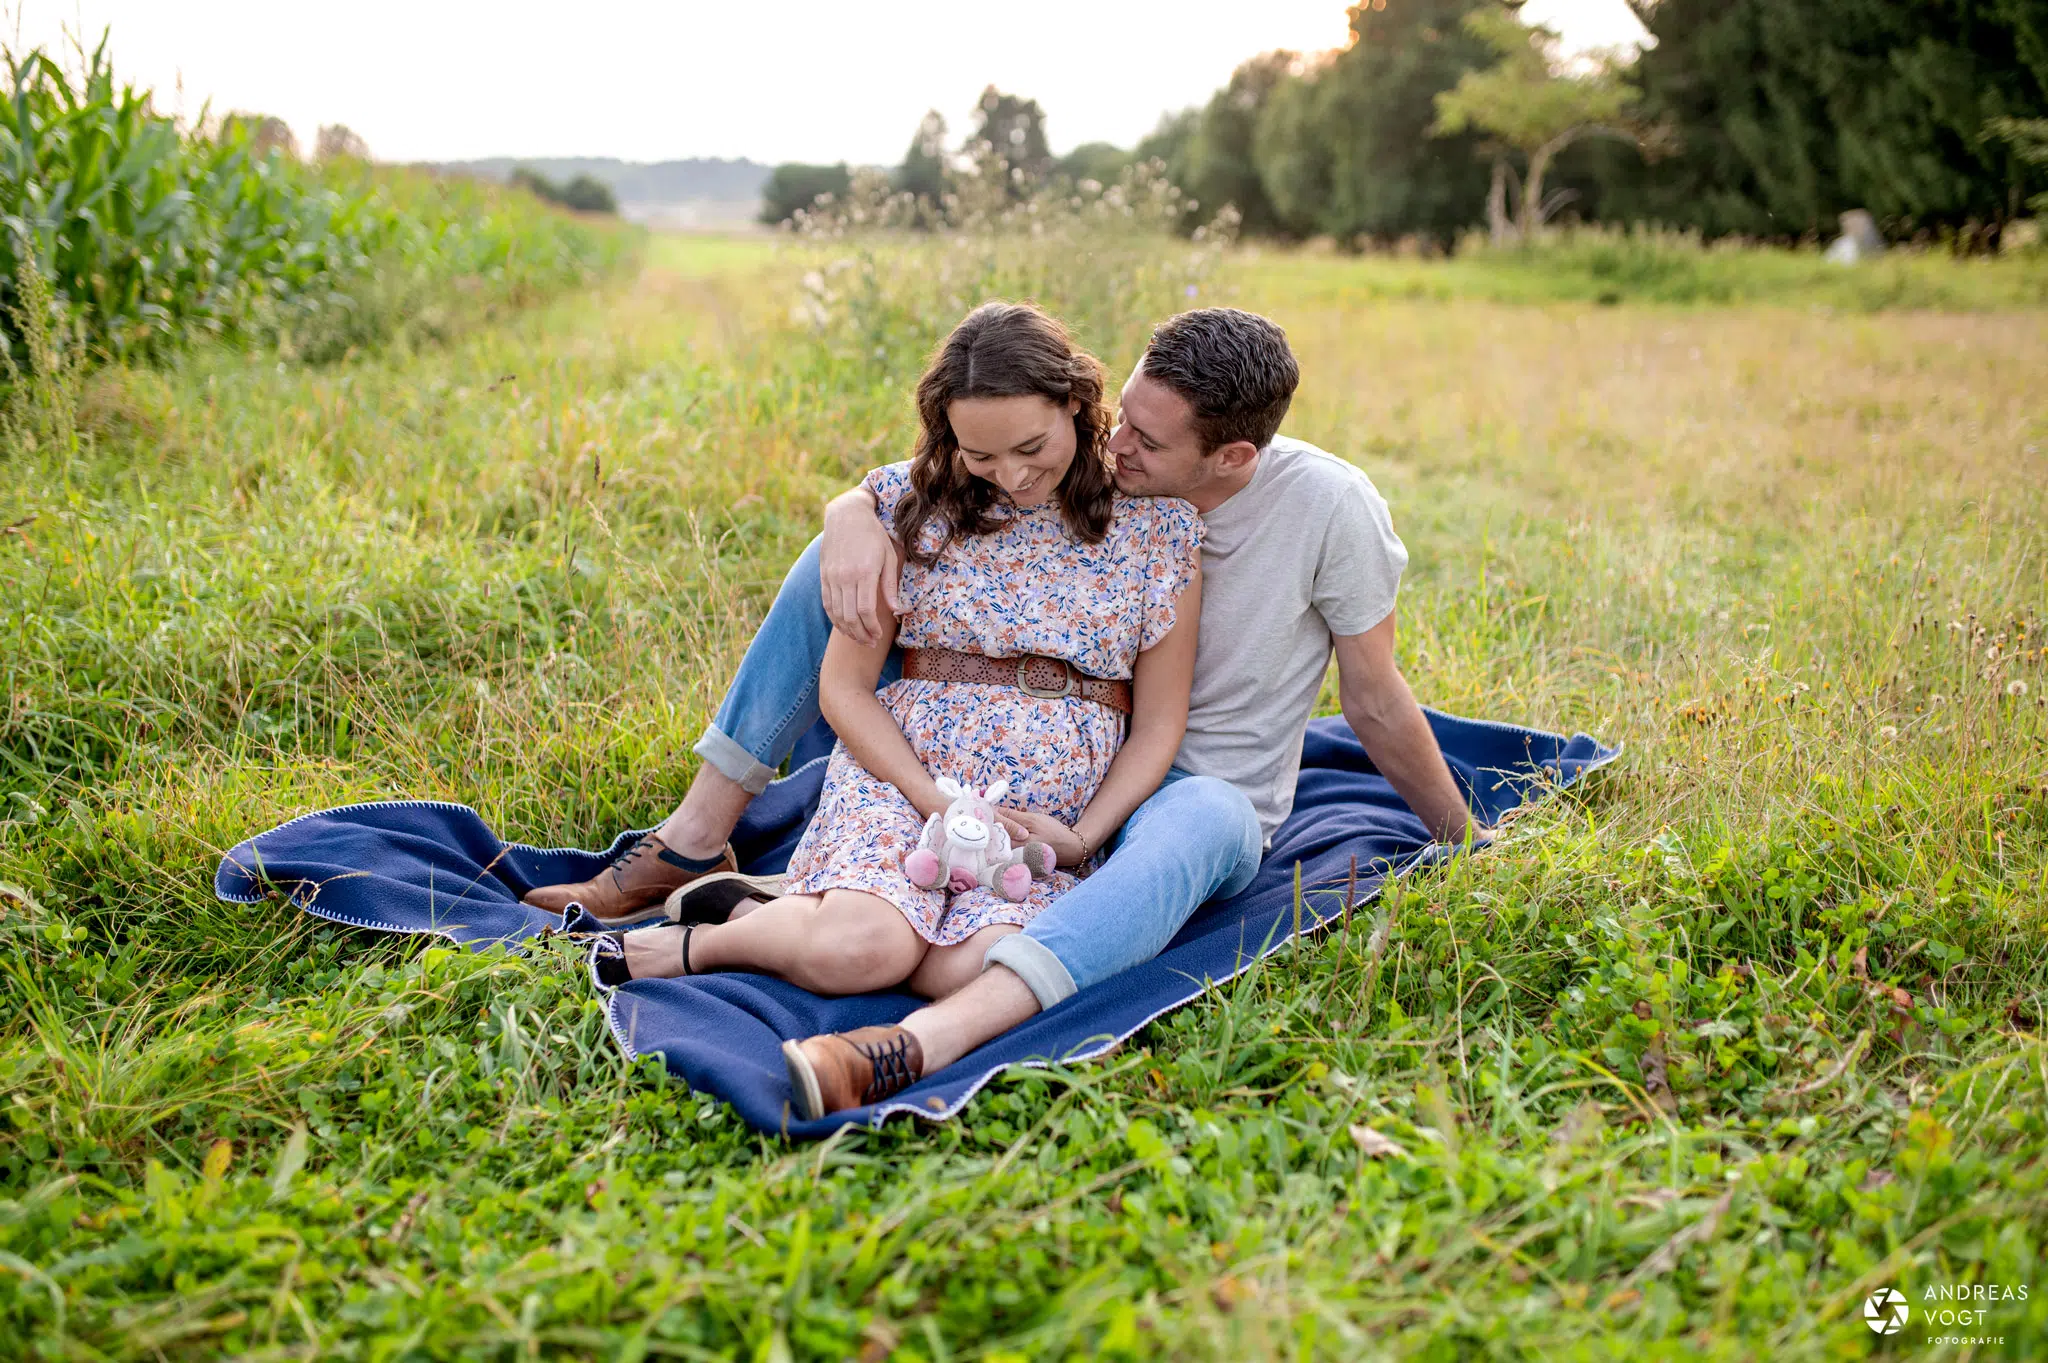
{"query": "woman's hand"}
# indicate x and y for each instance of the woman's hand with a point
(1159, 701)
(857, 563)
(1026, 824)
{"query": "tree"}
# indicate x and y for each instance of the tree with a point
(794, 186)
(588, 194)
(267, 134)
(1788, 114)
(1293, 155)
(1169, 142)
(923, 171)
(1343, 148)
(1013, 130)
(338, 142)
(1102, 162)
(1220, 164)
(2028, 138)
(584, 194)
(1533, 107)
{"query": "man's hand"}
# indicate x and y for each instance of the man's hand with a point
(858, 566)
(1026, 824)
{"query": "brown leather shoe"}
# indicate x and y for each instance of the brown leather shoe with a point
(840, 1070)
(625, 891)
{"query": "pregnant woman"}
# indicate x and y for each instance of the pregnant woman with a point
(1048, 634)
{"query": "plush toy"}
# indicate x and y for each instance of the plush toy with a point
(968, 846)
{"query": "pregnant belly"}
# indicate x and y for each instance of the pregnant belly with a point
(1054, 753)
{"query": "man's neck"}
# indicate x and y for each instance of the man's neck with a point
(1215, 491)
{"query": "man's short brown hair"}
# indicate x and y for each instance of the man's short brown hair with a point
(1234, 369)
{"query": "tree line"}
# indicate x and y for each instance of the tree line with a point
(1006, 141)
(582, 193)
(1757, 118)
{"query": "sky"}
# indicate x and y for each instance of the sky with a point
(773, 80)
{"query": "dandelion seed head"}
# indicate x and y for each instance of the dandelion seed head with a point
(2015, 687)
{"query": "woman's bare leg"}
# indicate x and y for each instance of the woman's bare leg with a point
(657, 953)
(843, 942)
(945, 969)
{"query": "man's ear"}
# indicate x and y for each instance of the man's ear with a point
(1234, 456)
(949, 788)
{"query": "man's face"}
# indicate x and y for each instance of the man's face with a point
(1157, 451)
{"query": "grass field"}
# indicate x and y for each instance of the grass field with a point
(1609, 266)
(1692, 1063)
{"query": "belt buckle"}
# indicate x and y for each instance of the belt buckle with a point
(1066, 678)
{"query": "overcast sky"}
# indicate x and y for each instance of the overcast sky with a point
(774, 80)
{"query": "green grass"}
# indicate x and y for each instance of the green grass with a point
(1690, 1064)
(1609, 266)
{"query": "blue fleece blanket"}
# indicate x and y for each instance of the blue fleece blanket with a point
(416, 866)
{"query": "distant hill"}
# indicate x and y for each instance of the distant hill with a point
(637, 182)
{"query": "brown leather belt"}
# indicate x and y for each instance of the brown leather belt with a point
(1034, 674)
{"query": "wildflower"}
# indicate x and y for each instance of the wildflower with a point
(1889, 731)
(1937, 699)
(1193, 290)
(2015, 687)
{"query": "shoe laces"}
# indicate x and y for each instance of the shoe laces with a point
(634, 851)
(890, 1062)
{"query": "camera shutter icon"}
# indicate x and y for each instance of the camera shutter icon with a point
(1885, 1311)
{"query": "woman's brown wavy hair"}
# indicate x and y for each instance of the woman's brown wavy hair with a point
(1005, 350)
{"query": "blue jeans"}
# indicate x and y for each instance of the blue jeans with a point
(1195, 839)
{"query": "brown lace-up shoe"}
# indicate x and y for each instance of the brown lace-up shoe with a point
(840, 1070)
(625, 891)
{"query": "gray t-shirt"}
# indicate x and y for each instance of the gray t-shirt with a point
(1307, 550)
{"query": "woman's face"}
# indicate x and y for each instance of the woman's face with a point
(1023, 445)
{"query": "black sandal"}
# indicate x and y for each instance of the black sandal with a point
(608, 958)
(712, 898)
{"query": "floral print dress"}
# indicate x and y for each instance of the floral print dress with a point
(1029, 586)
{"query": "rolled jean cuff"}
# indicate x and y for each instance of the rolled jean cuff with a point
(744, 769)
(1034, 963)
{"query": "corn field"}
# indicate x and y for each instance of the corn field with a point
(149, 235)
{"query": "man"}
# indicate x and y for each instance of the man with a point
(1299, 560)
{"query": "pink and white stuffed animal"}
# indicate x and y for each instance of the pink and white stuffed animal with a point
(968, 846)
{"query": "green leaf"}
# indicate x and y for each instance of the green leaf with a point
(289, 1161)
